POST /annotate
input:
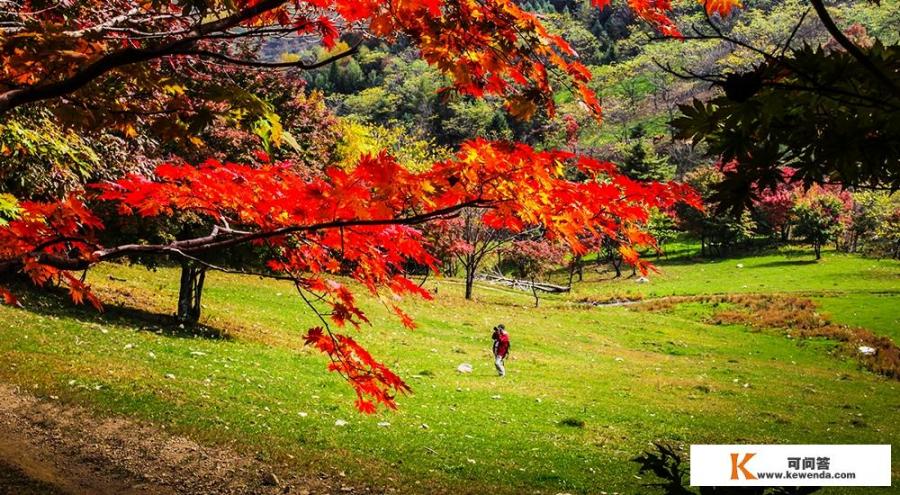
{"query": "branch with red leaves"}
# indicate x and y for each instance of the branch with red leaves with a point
(485, 46)
(357, 223)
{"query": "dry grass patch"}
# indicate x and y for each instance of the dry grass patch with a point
(610, 299)
(797, 317)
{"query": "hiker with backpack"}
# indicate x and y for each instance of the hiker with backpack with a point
(500, 348)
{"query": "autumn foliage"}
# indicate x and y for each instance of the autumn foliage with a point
(358, 223)
(166, 63)
(165, 68)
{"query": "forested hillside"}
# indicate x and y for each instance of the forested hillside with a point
(386, 93)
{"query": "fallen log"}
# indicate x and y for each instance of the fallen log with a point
(519, 284)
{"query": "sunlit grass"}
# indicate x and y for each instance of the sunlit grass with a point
(627, 377)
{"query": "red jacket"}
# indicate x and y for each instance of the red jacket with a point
(501, 344)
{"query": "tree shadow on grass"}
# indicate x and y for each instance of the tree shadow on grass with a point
(667, 462)
(784, 263)
(55, 302)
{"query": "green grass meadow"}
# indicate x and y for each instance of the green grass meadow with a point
(588, 389)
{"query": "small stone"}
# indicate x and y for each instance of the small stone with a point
(619, 360)
(384, 424)
(340, 422)
(464, 368)
(866, 350)
(170, 376)
(740, 265)
(302, 414)
(269, 479)
(496, 397)
(424, 426)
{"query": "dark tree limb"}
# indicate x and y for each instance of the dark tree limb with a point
(221, 238)
(128, 56)
(851, 48)
(257, 64)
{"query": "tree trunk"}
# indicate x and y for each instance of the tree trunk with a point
(534, 292)
(470, 280)
(818, 249)
(576, 267)
(192, 277)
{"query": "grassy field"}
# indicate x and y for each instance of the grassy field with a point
(588, 388)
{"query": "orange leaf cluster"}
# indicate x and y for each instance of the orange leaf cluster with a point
(359, 223)
(60, 229)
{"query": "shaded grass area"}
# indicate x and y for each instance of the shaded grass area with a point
(587, 390)
(786, 270)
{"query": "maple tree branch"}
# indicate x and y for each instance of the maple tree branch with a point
(20, 96)
(299, 64)
(223, 269)
(816, 86)
(851, 47)
(214, 240)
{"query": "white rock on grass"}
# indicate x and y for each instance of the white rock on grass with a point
(866, 350)
(340, 422)
(384, 424)
(464, 368)
(642, 280)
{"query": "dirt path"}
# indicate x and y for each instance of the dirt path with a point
(47, 448)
